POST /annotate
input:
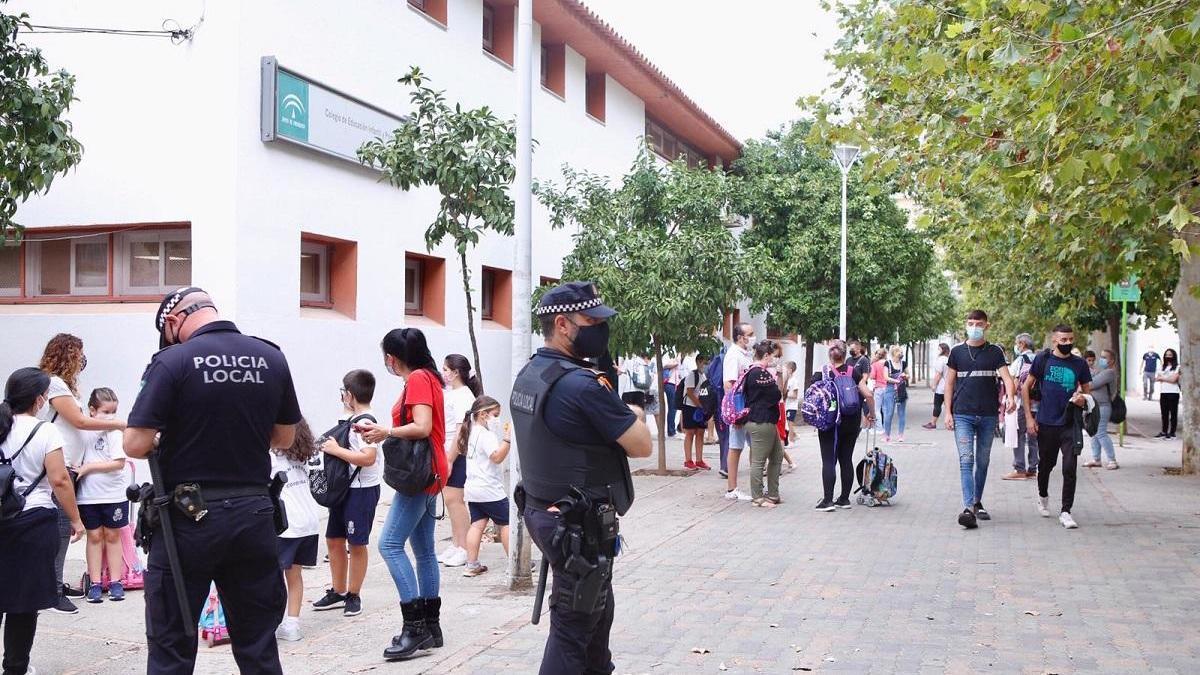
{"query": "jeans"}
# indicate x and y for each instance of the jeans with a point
(1053, 440)
(973, 434)
(19, 630)
(723, 440)
(411, 520)
(1027, 445)
(669, 390)
(766, 450)
(1102, 439)
(1168, 406)
(893, 408)
(1148, 386)
(878, 392)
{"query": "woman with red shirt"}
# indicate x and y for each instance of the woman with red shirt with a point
(418, 414)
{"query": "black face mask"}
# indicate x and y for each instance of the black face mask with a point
(1065, 349)
(590, 341)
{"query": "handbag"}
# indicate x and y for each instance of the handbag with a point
(407, 462)
(1119, 409)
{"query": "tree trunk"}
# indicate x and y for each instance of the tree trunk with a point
(1113, 326)
(660, 419)
(809, 349)
(1186, 305)
(466, 279)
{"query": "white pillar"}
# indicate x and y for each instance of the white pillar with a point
(842, 306)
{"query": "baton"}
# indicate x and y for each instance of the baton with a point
(164, 517)
(543, 572)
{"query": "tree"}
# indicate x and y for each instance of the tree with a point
(791, 267)
(1053, 146)
(468, 156)
(658, 248)
(35, 137)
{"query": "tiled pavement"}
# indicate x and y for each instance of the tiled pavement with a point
(900, 589)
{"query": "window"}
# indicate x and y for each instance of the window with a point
(434, 9)
(414, 272)
(314, 273)
(487, 289)
(496, 296)
(670, 147)
(554, 69)
(548, 282)
(10, 269)
(425, 287)
(545, 64)
(153, 262)
(595, 95)
(489, 28)
(499, 21)
(67, 266)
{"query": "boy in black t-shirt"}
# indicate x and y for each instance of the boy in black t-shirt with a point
(1064, 379)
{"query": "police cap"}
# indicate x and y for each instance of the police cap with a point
(575, 297)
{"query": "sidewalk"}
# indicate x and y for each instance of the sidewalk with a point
(900, 589)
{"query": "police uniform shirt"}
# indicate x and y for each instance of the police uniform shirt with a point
(581, 409)
(216, 398)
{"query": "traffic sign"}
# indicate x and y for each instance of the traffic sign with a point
(1125, 291)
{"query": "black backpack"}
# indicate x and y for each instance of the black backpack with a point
(12, 502)
(681, 398)
(708, 398)
(408, 462)
(329, 482)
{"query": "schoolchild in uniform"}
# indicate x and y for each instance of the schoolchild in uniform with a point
(298, 543)
(485, 444)
(103, 506)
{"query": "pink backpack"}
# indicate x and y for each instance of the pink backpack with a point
(733, 405)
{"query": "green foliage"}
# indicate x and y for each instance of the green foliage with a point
(467, 155)
(791, 268)
(35, 139)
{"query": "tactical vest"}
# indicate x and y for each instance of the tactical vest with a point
(550, 464)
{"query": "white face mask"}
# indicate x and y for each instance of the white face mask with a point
(107, 416)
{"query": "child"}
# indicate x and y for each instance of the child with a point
(486, 495)
(349, 527)
(103, 507)
(298, 543)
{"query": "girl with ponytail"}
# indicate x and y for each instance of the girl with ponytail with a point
(462, 387)
(485, 444)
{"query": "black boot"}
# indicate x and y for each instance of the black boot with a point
(433, 609)
(415, 635)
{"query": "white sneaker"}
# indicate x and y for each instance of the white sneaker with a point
(441, 557)
(456, 559)
(1043, 505)
(1067, 521)
(737, 495)
(289, 632)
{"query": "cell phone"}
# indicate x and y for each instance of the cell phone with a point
(357, 427)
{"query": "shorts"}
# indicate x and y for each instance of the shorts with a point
(114, 516)
(496, 511)
(689, 422)
(791, 415)
(352, 519)
(739, 438)
(297, 551)
(458, 473)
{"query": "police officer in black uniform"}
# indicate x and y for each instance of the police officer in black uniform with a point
(217, 401)
(575, 437)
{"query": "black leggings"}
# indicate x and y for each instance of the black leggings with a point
(843, 455)
(1168, 405)
(938, 400)
(18, 640)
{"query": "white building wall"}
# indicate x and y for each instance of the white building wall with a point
(171, 133)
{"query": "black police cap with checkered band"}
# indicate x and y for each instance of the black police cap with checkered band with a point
(572, 297)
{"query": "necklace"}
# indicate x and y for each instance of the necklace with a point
(972, 354)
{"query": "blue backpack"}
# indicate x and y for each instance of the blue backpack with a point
(848, 396)
(716, 387)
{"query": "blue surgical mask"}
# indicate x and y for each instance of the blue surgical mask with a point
(1101, 363)
(974, 332)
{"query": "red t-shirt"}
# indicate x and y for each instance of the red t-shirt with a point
(422, 388)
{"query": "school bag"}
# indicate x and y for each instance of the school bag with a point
(848, 397)
(329, 477)
(819, 407)
(878, 478)
(715, 386)
(733, 405)
(12, 501)
(681, 398)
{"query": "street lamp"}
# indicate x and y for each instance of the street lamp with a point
(845, 156)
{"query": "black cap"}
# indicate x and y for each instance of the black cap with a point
(168, 304)
(572, 297)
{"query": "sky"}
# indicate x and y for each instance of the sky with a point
(745, 63)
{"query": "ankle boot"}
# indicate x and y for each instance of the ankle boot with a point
(415, 635)
(433, 608)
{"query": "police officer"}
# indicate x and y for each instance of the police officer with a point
(220, 401)
(575, 436)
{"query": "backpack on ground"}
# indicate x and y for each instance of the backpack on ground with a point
(878, 478)
(12, 501)
(733, 405)
(329, 477)
(716, 387)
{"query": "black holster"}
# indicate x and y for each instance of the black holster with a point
(586, 538)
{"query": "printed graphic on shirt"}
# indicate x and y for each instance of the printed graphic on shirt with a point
(230, 368)
(1062, 376)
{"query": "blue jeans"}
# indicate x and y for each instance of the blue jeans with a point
(723, 439)
(411, 520)
(893, 408)
(973, 434)
(1102, 439)
(672, 411)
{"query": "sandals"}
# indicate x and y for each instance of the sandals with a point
(763, 502)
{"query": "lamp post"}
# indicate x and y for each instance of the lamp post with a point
(845, 156)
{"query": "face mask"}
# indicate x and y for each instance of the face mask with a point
(1102, 363)
(974, 332)
(107, 416)
(591, 341)
(1065, 349)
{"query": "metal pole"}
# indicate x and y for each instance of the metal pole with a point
(1122, 361)
(842, 307)
(519, 576)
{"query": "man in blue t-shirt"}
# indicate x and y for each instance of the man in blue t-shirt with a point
(1149, 367)
(1063, 380)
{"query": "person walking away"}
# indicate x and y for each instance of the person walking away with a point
(485, 443)
(206, 371)
(879, 383)
(895, 403)
(1025, 453)
(973, 408)
(103, 506)
(298, 543)
(693, 420)
(348, 529)
(670, 382)
(1149, 372)
(63, 360)
(1168, 397)
(419, 414)
(766, 450)
(737, 361)
(32, 450)
(1064, 380)
(1104, 384)
(462, 388)
(575, 438)
(855, 402)
(939, 384)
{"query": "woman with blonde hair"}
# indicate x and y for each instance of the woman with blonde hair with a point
(895, 396)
